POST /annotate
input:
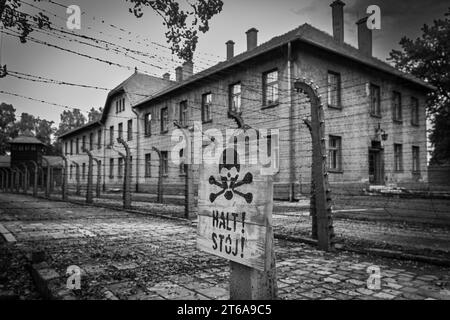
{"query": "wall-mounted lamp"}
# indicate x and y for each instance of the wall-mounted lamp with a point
(381, 133)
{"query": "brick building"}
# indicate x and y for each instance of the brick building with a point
(375, 115)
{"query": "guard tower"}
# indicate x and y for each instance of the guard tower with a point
(26, 147)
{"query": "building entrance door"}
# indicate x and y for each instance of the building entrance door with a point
(376, 166)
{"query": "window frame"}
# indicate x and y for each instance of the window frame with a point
(231, 96)
(164, 122)
(148, 165)
(148, 124)
(130, 130)
(111, 168)
(99, 139)
(398, 156)
(415, 107)
(111, 135)
(415, 152)
(339, 90)
(120, 130)
(266, 85)
(377, 113)
(208, 106)
(397, 112)
(338, 151)
(183, 116)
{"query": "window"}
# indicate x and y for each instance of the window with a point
(164, 119)
(130, 130)
(111, 135)
(120, 105)
(415, 159)
(235, 97)
(397, 106)
(111, 168)
(83, 171)
(77, 146)
(71, 171)
(270, 88)
(91, 141)
(182, 167)
(165, 162)
(206, 107)
(120, 130)
(148, 165)
(334, 90)
(335, 154)
(83, 144)
(120, 168)
(71, 147)
(414, 111)
(183, 113)
(375, 108)
(398, 157)
(65, 148)
(99, 139)
(148, 124)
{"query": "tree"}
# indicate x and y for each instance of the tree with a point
(94, 114)
(70, 120)
(45, 130)
(7, 119)
(427, 58)
(27, 122)
(182, 26)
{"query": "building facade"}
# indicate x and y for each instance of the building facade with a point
(374, 115)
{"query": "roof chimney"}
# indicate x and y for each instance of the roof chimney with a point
(364, 37)
(252, 39)
(166, 76)
(179, 74)
(230, 49)
(188, 69)
(338, 20)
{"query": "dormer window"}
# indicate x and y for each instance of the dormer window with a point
(120, 105)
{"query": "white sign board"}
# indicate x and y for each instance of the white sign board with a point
(234, 212)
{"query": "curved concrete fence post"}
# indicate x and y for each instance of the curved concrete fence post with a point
(47, 185)
(127, 174)
(25, 178)
(89, 192)
(36, 177)
(98, 183)
(77, 178)
(64, 182)
(160, 176)
(2, 180)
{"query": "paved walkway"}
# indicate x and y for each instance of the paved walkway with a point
(132, 256)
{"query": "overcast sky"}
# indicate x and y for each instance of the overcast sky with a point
(270, 17)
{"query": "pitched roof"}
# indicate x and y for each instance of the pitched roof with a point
(26, 140)
(89, 125)
(54, 161)
(138, 86)
(306, 34)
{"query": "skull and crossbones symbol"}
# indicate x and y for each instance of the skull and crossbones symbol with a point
(229, 175)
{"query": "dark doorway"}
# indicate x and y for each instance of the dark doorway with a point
(376, 166)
